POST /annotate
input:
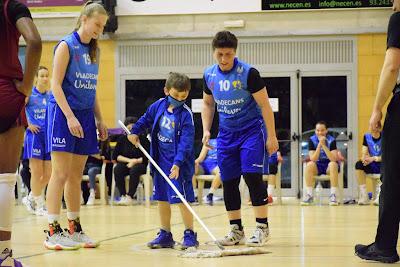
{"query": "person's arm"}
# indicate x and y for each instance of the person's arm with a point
(61, 59)
(364, 152)
(33, 53)
(185, 145)
(207, 116)
(202, 155)
(389, 72)
(261, 97)
(313, 152)
(331, 151)
(103, 133)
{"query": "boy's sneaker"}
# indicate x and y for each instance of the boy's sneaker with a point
(260, 236)
(77, 235)
(57, 239)
(91, 199)
(363, 199)
(234, 237)
(29, 203)
(126, 201)
(373, 253)
(163, 240)
(210, 199)
(376, 201)
(307, 200)
(189, 239)
(332, 200)
(6, 259)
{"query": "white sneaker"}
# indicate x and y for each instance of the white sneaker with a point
(234, 237)
(29, 203)
(83, 240)
(126, 201)
(91, 198)
(363, 199)
(82, 199)
(41, 209)
(60, 240)
(376, 200)
(332, 200)
(260, 236)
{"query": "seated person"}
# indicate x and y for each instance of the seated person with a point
(130, 161)
(206, 163)
(370, 163)
(323, 160)
(271, 172)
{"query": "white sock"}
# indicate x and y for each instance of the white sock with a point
(271, 189)
(4, 245)
(72, 215)
(92, 192)
(51, 218)
(333, 190)
(38, 199)
(363, 189)
(309, 190)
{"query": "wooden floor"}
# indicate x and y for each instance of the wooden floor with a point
(300, 236)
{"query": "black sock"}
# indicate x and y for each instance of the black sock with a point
(238, 222)
(262, 220)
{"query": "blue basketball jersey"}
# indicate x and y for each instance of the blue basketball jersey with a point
(374, 147)
(80, 81)
(235, 104)
(166, 138)
(36, 108)
(322, 155)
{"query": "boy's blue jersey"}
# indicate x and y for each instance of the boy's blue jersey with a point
(166, 137)
(235, 104)
(374, 147)
(80, 81)
(36, 108)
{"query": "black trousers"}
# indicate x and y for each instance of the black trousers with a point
(389, 201)
(121, 170)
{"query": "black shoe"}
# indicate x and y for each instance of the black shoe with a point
(210, 199)
(373, 253)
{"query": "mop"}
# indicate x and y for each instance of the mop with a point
(193, 252)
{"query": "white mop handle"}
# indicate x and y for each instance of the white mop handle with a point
(171, 184)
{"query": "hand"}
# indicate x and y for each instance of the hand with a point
(103, 132)
(375, 120)
(22, 88)
(131, 163)
(206, 139)
(75, 127)
(322, 140)
(368, 160)
(34, 128)
(396, 5)
(134, 139)
(174, 172)
(272, 144)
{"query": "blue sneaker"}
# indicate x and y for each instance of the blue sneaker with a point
(189, 239)
(6, 259)
(307, 201)
(210, 199)
(163, 240)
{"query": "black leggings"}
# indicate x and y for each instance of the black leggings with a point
(121, 170)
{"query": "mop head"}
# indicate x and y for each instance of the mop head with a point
(198, 253)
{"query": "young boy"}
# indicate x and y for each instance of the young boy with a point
(172, 137)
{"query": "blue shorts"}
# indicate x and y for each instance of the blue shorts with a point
(208, 167)
(242, 151)
(35, 146)
(59, 137)
(164, 192)
(323, 166)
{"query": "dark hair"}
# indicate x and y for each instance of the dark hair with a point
(130, 120)
(322, 123)
(179, 81)
(224, 39)
(41, 68)
(89, 8)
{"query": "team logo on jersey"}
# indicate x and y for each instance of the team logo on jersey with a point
(59, 142)
(377, 148)
(44, 102)
(237, 84)
(37, 151)
(239, 69)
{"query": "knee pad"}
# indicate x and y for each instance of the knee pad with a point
(7, 187)
(232, 194)
(257, 188)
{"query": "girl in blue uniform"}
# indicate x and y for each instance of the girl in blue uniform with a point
(73, 116)
(35, 143)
